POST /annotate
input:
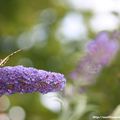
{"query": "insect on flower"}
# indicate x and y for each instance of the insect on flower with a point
(5, 60)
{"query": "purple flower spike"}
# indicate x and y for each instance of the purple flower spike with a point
(21, 79)
(102, 49)
(100, 53)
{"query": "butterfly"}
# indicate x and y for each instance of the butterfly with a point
(5, 60)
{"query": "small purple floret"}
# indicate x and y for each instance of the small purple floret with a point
(21, 79)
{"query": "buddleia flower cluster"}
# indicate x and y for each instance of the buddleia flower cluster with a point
(20, 79)
(100, 52)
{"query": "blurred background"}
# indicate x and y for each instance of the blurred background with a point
(53, 34)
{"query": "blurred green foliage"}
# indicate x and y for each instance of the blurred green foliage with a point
(20, 16)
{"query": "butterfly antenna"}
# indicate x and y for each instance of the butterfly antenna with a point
(5, 60)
